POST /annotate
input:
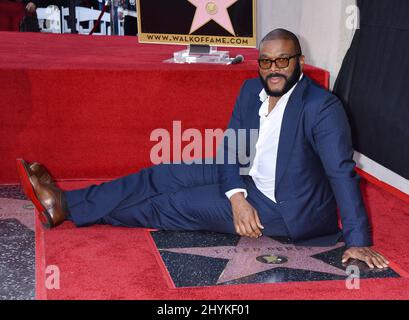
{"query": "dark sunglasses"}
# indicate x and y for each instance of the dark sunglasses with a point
(281, 63)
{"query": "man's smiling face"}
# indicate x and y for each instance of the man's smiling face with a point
(278, 81)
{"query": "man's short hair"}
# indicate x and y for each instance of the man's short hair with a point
(283, 34)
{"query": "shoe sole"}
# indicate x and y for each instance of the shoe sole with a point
(23, 172)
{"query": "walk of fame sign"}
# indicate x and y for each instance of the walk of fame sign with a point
(227, 23)
(208, 258)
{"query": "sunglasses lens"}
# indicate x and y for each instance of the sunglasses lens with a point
(282, 63)
(264, 63)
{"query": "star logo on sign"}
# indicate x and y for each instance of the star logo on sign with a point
(251, 256)
(216, 10)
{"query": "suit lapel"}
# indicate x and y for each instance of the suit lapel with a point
(253, 118)
(253, 123)
(289, 128)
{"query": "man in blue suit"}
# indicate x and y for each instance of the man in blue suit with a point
(301, 170)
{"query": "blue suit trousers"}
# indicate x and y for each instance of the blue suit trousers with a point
(169, 197)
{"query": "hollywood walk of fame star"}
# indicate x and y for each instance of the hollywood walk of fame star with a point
(216, 10)
(243, 257)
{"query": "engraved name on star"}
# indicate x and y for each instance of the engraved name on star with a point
(243, 257)
(216, 10)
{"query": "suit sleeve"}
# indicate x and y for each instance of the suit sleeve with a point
(227, 155)
(332, 136)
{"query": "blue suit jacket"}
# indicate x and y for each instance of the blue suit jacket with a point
(315, 169)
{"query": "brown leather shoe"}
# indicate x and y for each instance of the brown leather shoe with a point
(40, 172)
(39, 188)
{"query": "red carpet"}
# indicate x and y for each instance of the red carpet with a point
(104, 262)
(85, 106)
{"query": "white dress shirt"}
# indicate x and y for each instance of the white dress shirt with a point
(263, 169)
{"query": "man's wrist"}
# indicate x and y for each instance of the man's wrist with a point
(229, 194)
(237, 196)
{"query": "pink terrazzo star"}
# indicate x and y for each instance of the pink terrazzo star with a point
(243, 257)
(21, 210)
(207, 10)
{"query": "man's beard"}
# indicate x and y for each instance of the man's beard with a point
(290, 81)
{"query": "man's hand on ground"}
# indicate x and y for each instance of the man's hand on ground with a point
(245, 217)
(366, 254)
